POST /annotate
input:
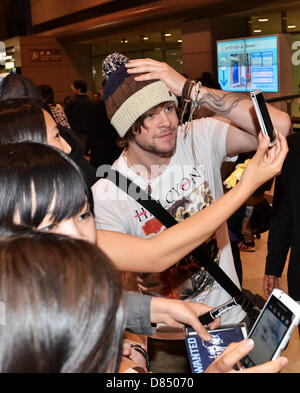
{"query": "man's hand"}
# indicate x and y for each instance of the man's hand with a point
(269, 283)
(235, 352)
(177, 314)
(152, 69)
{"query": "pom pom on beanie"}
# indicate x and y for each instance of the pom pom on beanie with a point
(112, 63)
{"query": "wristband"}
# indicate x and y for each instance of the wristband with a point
(139, 348)
(187, 89)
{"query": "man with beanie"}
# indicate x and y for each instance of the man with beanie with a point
(179, 165)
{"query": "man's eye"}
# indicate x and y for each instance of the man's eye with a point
(169, 108)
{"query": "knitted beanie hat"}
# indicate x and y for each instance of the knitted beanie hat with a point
(126, 99)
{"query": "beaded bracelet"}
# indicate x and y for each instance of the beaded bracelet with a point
(194, 97)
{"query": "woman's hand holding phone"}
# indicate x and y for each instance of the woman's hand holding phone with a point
(266, 163)
(226, 362)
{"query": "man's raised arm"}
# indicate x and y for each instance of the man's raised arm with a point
(236, 107)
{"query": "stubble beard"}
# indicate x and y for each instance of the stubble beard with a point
(160, 152)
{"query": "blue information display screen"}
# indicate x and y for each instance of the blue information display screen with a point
(248, 64)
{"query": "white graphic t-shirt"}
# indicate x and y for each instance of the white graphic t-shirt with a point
(189, 183)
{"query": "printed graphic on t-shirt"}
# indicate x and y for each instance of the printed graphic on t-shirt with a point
(187, 279)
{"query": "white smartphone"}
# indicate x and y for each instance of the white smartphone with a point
(263, 116)
(272, 329)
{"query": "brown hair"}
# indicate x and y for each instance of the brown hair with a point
(139, 123)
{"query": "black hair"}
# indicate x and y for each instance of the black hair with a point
(63, 303)
(32, 175)
(47, 94)
(208, 80)
(22, 119)
(80, 85)
(18, 86)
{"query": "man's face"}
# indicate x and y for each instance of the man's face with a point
(74, 90)
(159, 133)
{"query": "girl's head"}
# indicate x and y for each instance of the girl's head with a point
(17, 86)
(42, 188)
(63, 306)
(24, 119)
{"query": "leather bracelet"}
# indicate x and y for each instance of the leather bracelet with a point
(139, 348)
(187, 89)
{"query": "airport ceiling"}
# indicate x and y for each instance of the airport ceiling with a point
(136, 16)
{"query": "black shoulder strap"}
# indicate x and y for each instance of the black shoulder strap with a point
(143, 198)
(168, 220)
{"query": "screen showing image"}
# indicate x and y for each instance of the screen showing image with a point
(269, 332)
(248, 64)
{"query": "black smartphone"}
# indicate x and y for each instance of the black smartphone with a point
(263, 116)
